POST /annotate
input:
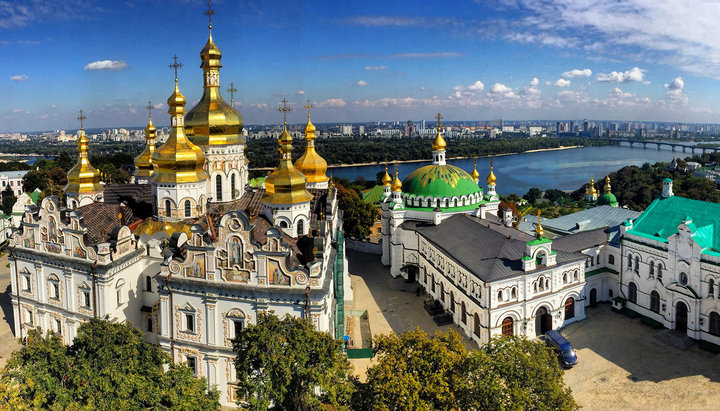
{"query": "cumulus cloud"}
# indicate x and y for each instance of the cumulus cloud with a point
(477, 86)
(107, 65)
(500, 89)
(676, 84)
(386, 102)
(674, 94)
(362, 83)
(577, 73)
(618, 93)
(634, 74)
(561, 82)
(534, 82)
(375, 68)
(158, 106)
(331, 102)
(300, 92)
(20, 77)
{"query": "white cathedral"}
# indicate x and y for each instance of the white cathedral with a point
(188, 252)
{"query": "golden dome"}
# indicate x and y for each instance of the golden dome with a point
(178, 160)
(396, 184)
(608, 189)
(311, 164)
(491, 177)
(83, 177)
(212, 121)
(143, 162)
(387, 180)
(288, 184)
(439, 143)
(591, 189)
(475, 175)
(269, 186)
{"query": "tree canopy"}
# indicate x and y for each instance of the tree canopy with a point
(288, 364)
(358, 216)
(108, 366)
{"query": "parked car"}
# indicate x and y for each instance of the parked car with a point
(566, 354)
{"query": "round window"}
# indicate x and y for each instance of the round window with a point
(683, 279)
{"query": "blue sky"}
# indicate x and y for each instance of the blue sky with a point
(362, 61)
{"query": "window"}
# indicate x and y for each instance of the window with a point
(629, 262)
(29, 316)
(683, 279)
(168, 208)
(463, 313)
(513, 292)
(637, 264)
(714, 323)
(569, 308)
(611, 259)
(632, 293)
(432, 284)
(476, 329)
(300, 228)
(148, 325)
(148, 283)
(576, 275)
(86, 299)
(598, 259)
(232, 186)
(238, 327)
(187, 208)
(58, 326)
(507, 326)
(499, 295)
(655, 302)
(564, 278)
(119, 292)
(659, 272)
(711, 288)
(610, 293)
(652, 268)
(218, 187)
(283, 224)
(190, 323)
(27, 284)
(192, 363)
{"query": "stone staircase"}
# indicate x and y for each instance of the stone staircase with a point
(675, 338)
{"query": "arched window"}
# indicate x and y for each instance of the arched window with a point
(463, 313)
(148, 283)
(576, 275)
(629, 262)
(500, 295)
(187, 208)
(513, 292)
(168, 208)
(119, 291)
(611, 259)
(476, 329)
(637, 264)
(610, 293)
(535, 287)
(507, 326)
(547, 283)
(455, 202)
(714, 323)
(655, 302)
(569, 308)
(432, 283)
(283, 224)
(564, 278)
(437, 203)
(218, 187)
(542, 284)
(232, 186)
(632, 293)
(652, 268)
(300, 228)
(659, 272)
(711, 288)
(598, 259)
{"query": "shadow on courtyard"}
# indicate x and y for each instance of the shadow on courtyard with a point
(6, 306)
(630, 345)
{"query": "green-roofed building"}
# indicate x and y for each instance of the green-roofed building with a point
(671, 264)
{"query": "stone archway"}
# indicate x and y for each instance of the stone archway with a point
(543, 321)
(681, 316)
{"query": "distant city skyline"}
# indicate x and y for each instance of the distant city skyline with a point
(362, 62)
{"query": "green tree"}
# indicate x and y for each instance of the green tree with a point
(287, 363)
(35, 179)
(8, 200)
(533, 194)
(554, 195)
(108, 366)
(358, 215)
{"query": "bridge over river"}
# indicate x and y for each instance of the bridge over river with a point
(663, 145)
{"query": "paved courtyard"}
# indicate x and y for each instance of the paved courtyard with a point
(620, 365)
(8, 344)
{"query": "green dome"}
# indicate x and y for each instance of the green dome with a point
(439, 181)
(607, 199)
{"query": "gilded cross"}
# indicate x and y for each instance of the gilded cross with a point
(491, 162)
(81, 117)
(149, 109)
(232, 91)
(209, 12)
(308, 106)
(175, 65)
(438, 117)
(284, 109)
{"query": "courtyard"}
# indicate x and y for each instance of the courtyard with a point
(621, 365)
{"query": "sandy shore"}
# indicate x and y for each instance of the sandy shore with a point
(380, 163)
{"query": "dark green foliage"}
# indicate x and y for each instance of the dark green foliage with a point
(285, 362)
(108, 366)
(8, 200)
(533, 194)
(555, 195)
(35, 179)
(358, 215)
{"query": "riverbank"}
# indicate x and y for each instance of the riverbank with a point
(379, 163)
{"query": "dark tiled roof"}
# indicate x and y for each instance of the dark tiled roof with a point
(101, 218)
(116, 193)
(581, 241)
(488, 250)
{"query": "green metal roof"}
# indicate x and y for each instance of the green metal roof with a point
(661, 218)
(35, 195)
(257, 182)
(440, 181)
(373, 195)
(607, 199)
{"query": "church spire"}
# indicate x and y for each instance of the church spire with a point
(143, 162)
(439, 145)
(311, 164)
(83, 179)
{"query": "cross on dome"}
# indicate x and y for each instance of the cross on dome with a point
(209, 12)
(232, 91)
(149, 108)
(308, 106)
(176, 66)
(284, 109)
(81, 117)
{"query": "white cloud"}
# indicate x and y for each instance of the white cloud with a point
(674, 94)
(158, 106)
(20, 77)
(534, 82)
(17, 110)
(107, 65)
(577, 73)
(331, 102)
(561, 82)
(618, 93)
(477, 86)
(362, 83)
(373, 68)
(500, 89)
(634, 74)
(386, 102)
(300, 92)
(676, 84)
(261, 106)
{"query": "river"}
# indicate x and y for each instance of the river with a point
(516, 173)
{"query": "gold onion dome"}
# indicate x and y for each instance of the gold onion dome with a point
(396, 184)
(311, 164)
(269, 186)
(212, 121)
(387, 180)
(288, 184)
(143, 162)
(83, 177)
(491, 177)
(475, 175)
(439, 143)
(178, 160)
(608, 189)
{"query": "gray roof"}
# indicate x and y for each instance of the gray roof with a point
(590, 219)
(489, 250)
(14, 174)
(528, 223)
(581, 241)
